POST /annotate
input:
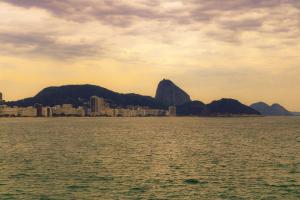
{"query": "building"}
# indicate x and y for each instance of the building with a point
(87, 109)
(39, 109)
(49, 112)
(1, 97)
(6, 111)
(27, 112)
(99, 107)
(109, 112)
(46, 112)
(172, 111)
(67, 110)
(137, 111)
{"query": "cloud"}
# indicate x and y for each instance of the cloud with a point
(44, 44)
(160, 20)
(247, 24)
(113, 12)
(121, 10)
(122, 13)
(235, 5)
(224, 36)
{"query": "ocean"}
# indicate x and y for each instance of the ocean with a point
(150, 158)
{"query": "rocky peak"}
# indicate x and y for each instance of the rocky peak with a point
(170, 94)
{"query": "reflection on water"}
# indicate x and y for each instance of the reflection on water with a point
(150, 158)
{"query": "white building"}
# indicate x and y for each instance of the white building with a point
(67, 110)
(6, 111)
(27, 112)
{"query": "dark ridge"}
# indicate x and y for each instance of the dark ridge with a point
(230, 106)
(79, 94)
(216, 108)
(193, 108)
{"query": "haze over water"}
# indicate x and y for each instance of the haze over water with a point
(150, 158)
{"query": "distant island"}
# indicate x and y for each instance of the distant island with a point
(169, 100)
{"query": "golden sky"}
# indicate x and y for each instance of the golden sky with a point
(243, 49)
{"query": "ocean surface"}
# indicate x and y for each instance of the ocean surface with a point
(150, 158)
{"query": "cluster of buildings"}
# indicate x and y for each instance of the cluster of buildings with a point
(97, 107)
(40, 111)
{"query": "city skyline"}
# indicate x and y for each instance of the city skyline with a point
(247, 50)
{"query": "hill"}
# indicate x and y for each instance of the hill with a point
(79, 94)
(216, 108)
(193, 108)
(229, 107)
(273, 110)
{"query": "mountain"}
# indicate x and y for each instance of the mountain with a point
(215, 108)
(229, 107)
(167, 94)
(193, 108)
(280, 110)
(273, 110)
(170, 94)
(262, 107)
(79, 94)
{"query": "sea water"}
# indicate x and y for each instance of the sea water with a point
(150, 158)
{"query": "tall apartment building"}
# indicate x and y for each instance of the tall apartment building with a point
(98, 106)
(1, 97)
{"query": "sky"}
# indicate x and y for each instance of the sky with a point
(243, 49)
